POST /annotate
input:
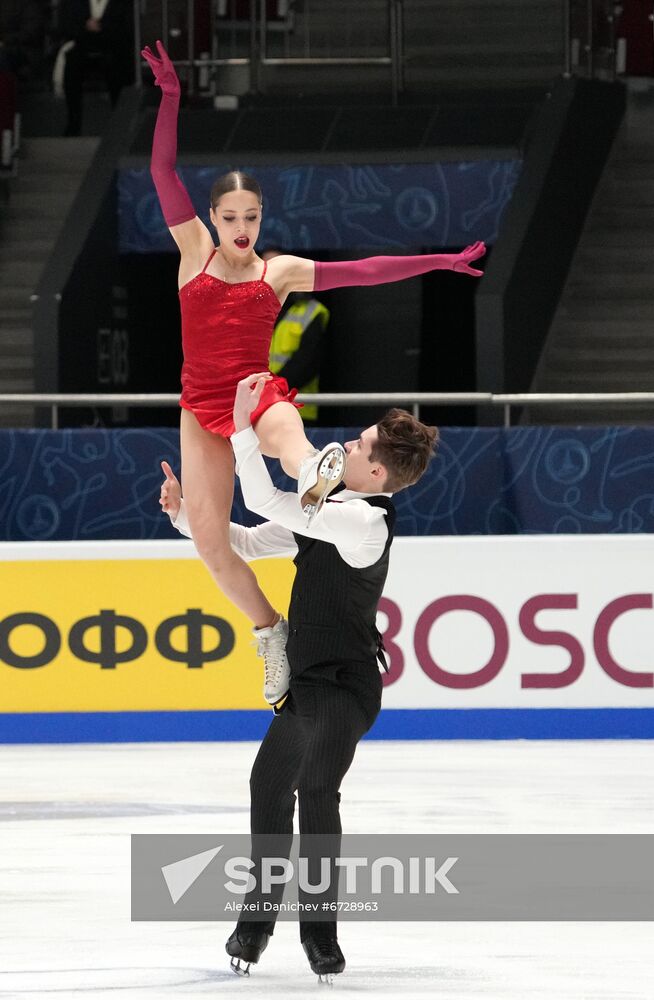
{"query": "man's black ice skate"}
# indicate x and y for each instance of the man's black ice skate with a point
(325, 957)
(245, 945)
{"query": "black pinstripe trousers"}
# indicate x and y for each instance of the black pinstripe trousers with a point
(307, 751)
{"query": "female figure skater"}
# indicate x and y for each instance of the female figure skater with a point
(229, 301)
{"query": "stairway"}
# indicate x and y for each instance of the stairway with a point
(50, 172)
(474, 42)
(602, 336)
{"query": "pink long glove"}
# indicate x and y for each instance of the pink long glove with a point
(378, 270)
(175, 203)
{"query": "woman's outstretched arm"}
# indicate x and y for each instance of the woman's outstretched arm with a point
(379, 270)
(188, 231)
(296, 274)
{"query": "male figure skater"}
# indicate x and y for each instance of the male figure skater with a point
(335, 684)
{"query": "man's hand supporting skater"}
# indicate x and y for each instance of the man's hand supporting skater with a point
(357, 529)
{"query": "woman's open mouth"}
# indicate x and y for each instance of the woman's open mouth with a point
(242, 242)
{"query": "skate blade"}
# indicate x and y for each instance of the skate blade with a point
(326, 978)
(330, 474)
(276, 699)
(240, 970)
(278, 706)
(311, 509)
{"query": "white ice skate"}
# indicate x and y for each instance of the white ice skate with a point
(271, 645)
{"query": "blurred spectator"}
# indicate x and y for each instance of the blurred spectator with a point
(22, 30)
(100, 32)
(297, 345)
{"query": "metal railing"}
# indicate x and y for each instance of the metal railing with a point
(589, 38)
(248, 40)
(243, 34)
(507, 401)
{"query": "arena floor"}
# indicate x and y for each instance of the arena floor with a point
(67, 813)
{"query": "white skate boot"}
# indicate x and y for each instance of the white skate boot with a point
(271, 645)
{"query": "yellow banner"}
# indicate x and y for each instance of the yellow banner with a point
(128, 634)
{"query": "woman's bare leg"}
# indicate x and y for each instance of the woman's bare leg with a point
(281, 435)
(208, 488)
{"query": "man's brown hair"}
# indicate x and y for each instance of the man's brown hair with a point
(404, 447)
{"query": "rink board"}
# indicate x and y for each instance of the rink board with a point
(498, 637)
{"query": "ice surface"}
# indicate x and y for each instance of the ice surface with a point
(67, 812)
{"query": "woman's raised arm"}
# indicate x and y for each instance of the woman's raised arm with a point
(189, 232)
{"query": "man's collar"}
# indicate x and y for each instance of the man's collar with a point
(346, 494)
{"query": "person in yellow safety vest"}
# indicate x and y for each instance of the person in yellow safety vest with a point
(297, 343)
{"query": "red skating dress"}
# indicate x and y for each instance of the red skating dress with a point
(226, 334)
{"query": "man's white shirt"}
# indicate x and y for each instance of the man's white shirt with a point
(357, 529)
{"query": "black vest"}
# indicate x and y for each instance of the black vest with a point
(333, 606)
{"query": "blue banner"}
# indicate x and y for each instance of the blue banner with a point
(391, 724)
(99, 484)
(342, 206)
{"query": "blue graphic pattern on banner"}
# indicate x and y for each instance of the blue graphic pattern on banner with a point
(95, 484)
(341, 206)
